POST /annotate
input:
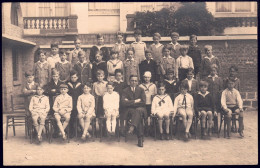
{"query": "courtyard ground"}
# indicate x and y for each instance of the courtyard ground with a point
(217, 151)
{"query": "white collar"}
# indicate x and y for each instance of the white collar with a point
(130, 59)
(159, 44)
(203, 94)
(139, 42)
(55, 56)
(65, 62)
(167, 56)
(42, 62)
(189, 80)
(30, 83)
(209, 58)
(120, 43)
(186, 56)
(118, 81)
(175, 44)
(213, 76)
(172, 81)
(82, 62)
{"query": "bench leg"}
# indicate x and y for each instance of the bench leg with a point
(6, 132)
(13, 126)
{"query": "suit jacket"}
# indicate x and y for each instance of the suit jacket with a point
(194, 86)
(132, 96)
(103, 49)
(51, 85)
(84, 73)
(64, 70)
(42, 74)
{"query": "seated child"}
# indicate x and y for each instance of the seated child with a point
(86, 109)
(113, 64)
(111, 109)
(162, 107)
(62, 108)
(171, 84)
(204, 106)
(99, 64)
(99, 89)
(192, 83)
(184, 105)
(39, 108)
(131, 66)
(148, 65)
(231, 102)
(183, 63)
(64, 67)
(150, 91)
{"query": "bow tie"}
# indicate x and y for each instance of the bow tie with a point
(160, 102)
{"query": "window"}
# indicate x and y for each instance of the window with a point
(14, 14)
(45, 9)
(15, 65)
(242, 6)
(60, 9)
(223, 6)
(147, 8)
(103, 8)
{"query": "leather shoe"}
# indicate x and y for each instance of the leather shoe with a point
(186, 137)
(161, 136)
(167, 137)
(140, 142)
(241, 133)
(131, 130)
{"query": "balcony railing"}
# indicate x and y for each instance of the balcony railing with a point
(240, 21)
(46, 22)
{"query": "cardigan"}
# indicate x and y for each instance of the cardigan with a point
(203, 102)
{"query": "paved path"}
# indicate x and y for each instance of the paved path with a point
(218, 151)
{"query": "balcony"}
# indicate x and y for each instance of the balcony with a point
(53, 26)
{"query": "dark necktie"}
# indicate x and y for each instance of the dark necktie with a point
(184, 101)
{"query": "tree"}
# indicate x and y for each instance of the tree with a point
(190, 18)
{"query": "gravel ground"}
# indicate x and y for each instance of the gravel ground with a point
(217, 151)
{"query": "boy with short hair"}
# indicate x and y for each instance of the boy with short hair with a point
(184, 105)
(150, 91)
(86, 109)
(148, 65)
(195, 53)
(175, 46)
(42, 70)
(131, 66)
(207, 61)
(39, 108)
(120, 46)
(231, 102)
(99, 64)
(101, 48)
(64, 67)
(111, 109)
(73, 56)
(167, 62)
(162, 106)
(192, 83)
(54, 58)
(233, 70)
(171, 84)
(29, 89)
(139, 46)
(183, 63)
(62, 108)
(83, 67)
(204, 106)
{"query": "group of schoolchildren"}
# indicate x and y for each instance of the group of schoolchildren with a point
(176, 79)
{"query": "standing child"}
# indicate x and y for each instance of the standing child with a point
(120, 46)
(111, 109)
(29, 89)
(150, 91)
(42, 70)
(113, 64)
(192, 83)
(204, 106)
(99, 64)
(99, 89)
(183, 63)
(171, 84)
(73, 57)
(83, 68)
(62, 107)
(54, 58)
(131, 65)
(39, 108)
(184, 105)
(75, 89)
(231, 102)
(86, 109)
(99, 47)
(167, 61)
(138, 46)
(162, 107)
(148, 65)
(157, 53)
(195, 53)
(233, 71)
(207, 61)
(175, 46)
(64, 67)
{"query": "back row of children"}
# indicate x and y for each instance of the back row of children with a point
(161, 66)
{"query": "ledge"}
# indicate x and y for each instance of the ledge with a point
(18, 39)
(73, 46)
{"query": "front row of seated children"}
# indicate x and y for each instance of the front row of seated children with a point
(156, 104)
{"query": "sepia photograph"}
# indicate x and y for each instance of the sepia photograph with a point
(130, 83)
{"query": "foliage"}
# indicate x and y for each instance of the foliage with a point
(190, 18)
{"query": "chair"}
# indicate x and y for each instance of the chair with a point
(102, 120)
(93, 124)
(233, 117)
(17, 117)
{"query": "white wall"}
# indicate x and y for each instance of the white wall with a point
(81, 9)
(103, 24)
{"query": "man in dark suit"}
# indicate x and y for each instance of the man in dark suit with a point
(133, 99)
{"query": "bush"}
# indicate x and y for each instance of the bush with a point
(190, 18)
